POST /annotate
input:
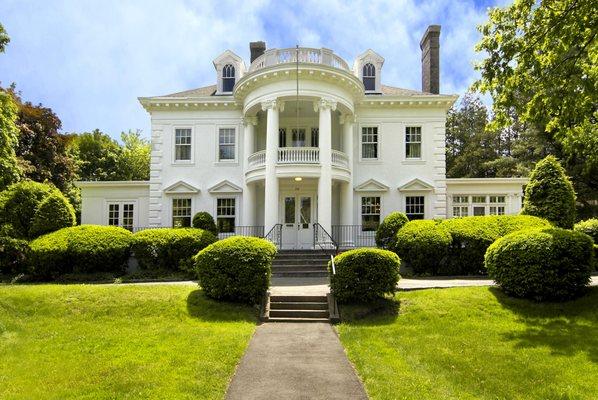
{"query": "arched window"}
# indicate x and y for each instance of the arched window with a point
(369, 77)
(228, 78)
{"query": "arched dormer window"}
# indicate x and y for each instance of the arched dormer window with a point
(369, 77)
(228, 78)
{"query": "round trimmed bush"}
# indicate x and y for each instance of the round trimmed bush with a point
(363, 275)
(203, 220)
(54, 212)
(387, 231)
(19, 203)
(541, 264)
(13, 255)
(589, 227)
(424, 246)
(169, 248)
(237, 268)
(81, 249)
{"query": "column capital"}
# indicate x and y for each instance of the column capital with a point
(347, 118)
(324, 104)
(273, 104)
(250, 120)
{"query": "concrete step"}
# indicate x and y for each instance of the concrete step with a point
(280, 319)
(278, 313)
(300, 261)
(297, 299)
(298, 305)
(299, 274)
(283, 268)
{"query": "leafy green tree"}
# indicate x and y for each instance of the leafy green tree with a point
(4, 39)
(550, 195)
(134, 160)
(97, 156)
(9, 170)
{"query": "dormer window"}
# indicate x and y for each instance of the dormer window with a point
(369, 77)
(228, 78)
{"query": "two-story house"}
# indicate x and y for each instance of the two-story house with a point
(297, 145)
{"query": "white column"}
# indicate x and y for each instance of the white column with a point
(271, 182)
(325, 182)
(248, 190)
(347, 210)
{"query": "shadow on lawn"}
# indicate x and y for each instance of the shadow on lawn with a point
(201, 307)
(380, 312)
(566, 328)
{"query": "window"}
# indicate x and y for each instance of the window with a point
(121, 214)
(479, 205)
(497, 205)
(370, 213)
(369, 142)
(225, 215)
(414, 207)
(182, 144)
(226, 144)
(181, 213)
(315, 137)
(282, 137)
(369, 77)
(460, 206)
(413, 142)
(228, 78)
(298, 137)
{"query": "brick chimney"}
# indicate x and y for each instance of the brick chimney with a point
(256, 49)
(430, 47)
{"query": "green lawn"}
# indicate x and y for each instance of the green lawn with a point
(118, 342)
(475, 343)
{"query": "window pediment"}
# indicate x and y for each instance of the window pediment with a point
(181, 187)
(225, 186)
(416, 185)
(371, 185)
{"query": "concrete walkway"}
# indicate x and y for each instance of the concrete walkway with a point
(295, 361)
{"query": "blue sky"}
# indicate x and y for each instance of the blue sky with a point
(90, 60)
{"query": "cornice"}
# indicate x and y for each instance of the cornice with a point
(425, 101)
(189, 103)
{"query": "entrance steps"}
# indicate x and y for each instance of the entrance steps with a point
(300, 263)
(297, 309)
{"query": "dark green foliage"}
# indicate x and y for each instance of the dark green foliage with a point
(81, 249)
(19, 203)
(541, 264)
(9, 136)
(237, 268)
(54, 212)
(549, 194)
(13, 255)
(364, 275)
(589, 227)
(424, 246)
(387, 231)
(203, 220)
(169, 248)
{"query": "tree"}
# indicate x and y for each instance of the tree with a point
(134, 160)
(9, 171)
(97, 156)
(4, 39)
(541, 69)
(549, 194)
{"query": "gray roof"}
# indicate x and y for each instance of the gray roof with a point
(395, 91)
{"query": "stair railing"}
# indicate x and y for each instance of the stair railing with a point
(323, 239)
(275, 235)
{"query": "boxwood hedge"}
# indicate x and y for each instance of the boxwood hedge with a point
(541, 264)
(203, 220)
(13, 255)
(424, 246)
(237, 268)
(387, 231)
(169, 248)
(362, 275)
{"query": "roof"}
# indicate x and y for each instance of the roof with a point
(395, 91)
(85, 184)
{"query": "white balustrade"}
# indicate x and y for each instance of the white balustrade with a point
(257, 160)
(305, 54)
(340, 159)
(298, 155)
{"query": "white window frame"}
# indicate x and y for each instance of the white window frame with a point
(361, 143)
(461, 206)
(236, 216)
(172, 200)
(487, 203)
(425, 204)
(234, 77)
(369, 76)
(236, 144)
(421, 142)
(366, 195)
(192, 151)
(121, 203)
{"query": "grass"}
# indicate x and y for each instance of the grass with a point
(474, 343)
(118, 342)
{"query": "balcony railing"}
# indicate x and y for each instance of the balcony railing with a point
(257, 159)
(298, 155)
(340, 159)
(306, 55)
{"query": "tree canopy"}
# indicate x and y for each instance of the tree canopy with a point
(9, 170)
(4, 39)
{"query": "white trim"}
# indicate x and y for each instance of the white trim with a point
(85, 184)
(219, 188)
(488, 181)
(121, 202)
(187, 188)
(408, 186)
(173, 159)
(377, 186)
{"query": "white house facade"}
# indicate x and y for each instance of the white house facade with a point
(299, 147)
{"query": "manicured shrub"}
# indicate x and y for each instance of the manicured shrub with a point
(387, 231)
(424, 246)
(19, 203)
(363, 275)
(81, 249)
(13, 255)
(237, 268)
(203, 220)
(169, 248)
(541, 264)
(549, 194)
(589, 227)
(54, 212)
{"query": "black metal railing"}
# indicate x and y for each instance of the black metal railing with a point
(352, 236)
(247, 230)
(324, 240)
(275, 235)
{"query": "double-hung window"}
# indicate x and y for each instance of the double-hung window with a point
(415, 207)
(369, 142)
(413, 142)
(121, 214)
(182, 144)
(225, 215)
(226, 144)
(370, 213)
(460, 206)
(181, 212)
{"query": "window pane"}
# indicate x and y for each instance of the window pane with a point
(369, 140)
(128, 210)
(226, 142)
(181, 213)
(305, 211)
(282, 137)
(414, 207)
(479, 211)
(113, 214)
(370, 213)
(315, 132)
(182, 141)
(289, 210)
(413, 138)
(298, 137)
(225, 215)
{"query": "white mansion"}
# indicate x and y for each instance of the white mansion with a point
(296, 146)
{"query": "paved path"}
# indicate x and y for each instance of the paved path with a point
(295, 361)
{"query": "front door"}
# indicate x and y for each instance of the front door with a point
(297, 225)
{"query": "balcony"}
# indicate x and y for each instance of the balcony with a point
(298, 155)
(306, 55)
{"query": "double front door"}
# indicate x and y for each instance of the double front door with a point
(297, 221)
